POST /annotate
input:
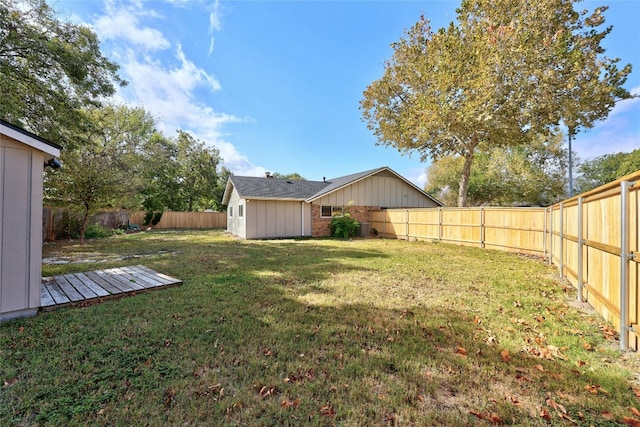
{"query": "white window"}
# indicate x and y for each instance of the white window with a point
(240, 211)
(230, 211)
(330, 211)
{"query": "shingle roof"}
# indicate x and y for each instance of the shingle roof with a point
(274, 188)
(250, 187)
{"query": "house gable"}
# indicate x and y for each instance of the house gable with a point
(34, 141)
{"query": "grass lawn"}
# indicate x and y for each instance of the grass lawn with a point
(316, 332)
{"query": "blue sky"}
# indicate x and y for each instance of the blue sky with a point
(276, 85)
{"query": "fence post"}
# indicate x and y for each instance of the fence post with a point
(580, 249)
(440, 223)
(482, 228)
(544, 235)
(551, 235)
(406, 224)
(561, 241)
(624, 264)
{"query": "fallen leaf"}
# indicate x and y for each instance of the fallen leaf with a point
(540, 368)
(555, 405)
(461, 351)
(477, 320)
(494, 418)
(286, 403)
(506, 357)
(21, 329)
(635, 411)
(477, 414)
(581, 363)
(169, 395)
(607, 416)
(544, 414)
(631, 421)
(587, 346)
(593, 389)
(9, 383)
(328, 411)
(636, 391)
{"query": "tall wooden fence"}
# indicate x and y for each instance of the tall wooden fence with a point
(593, 239)
(185, 220)
(61, 223)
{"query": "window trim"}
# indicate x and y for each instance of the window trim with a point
(335, 210)
(230, 209)
(241, 210)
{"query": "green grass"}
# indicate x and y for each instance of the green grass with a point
(315, 332)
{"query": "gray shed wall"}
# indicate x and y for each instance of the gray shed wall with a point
(21, 170)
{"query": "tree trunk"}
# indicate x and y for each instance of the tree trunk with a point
(83, 224)
(463, 188)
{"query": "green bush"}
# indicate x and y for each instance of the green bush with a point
(96, 231)
(151, 218)
(344, 226)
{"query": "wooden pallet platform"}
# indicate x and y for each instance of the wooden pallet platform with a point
(95, 286)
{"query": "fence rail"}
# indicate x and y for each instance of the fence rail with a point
(593, 239)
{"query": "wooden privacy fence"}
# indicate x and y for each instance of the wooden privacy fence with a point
(59, 223)
(593, 238)
(512, 229)
(186, 220)
(594, 243)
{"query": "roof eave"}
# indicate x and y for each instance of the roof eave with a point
(30, 139)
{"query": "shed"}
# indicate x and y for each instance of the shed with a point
(262, 208)
(23, 157)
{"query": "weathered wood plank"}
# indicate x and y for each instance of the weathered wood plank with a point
(45, 297)
(120, 275)
(123, 285)
(95, 287)
(163, 277)
(56, 293)
(80, 287)
(68, 289)
(142, 278)
(105, 284)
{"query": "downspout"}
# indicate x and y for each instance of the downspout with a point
(302, 214)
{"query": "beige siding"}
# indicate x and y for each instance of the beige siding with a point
(381, 190)
(277, 218)
(21, 171)
(236, 224)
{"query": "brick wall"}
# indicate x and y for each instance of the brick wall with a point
(320, 226)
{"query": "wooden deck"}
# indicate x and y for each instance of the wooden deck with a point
(95, 286)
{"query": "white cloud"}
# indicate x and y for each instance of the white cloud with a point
(214, 17)
(167, 85)
(617, 133)
(123, 24)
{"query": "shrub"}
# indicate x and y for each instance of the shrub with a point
(96, 231)
(151, 218)
(344, 226)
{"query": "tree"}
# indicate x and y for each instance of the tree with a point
(101, 163)
(532, 174)
(197, 171)
(181, 174)
(295, 176)
(604, 169)
(493, 80)
(49, 70)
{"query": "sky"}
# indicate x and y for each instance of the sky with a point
(276, 85)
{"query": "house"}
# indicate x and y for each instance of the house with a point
(23, 157)
(262, 208)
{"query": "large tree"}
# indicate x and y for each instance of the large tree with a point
(101, 165)
(606, 168)
(499, 77)
(49, 69)
(181, 174)
(531, 174)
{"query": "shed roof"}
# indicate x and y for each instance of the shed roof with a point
(28, 138)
